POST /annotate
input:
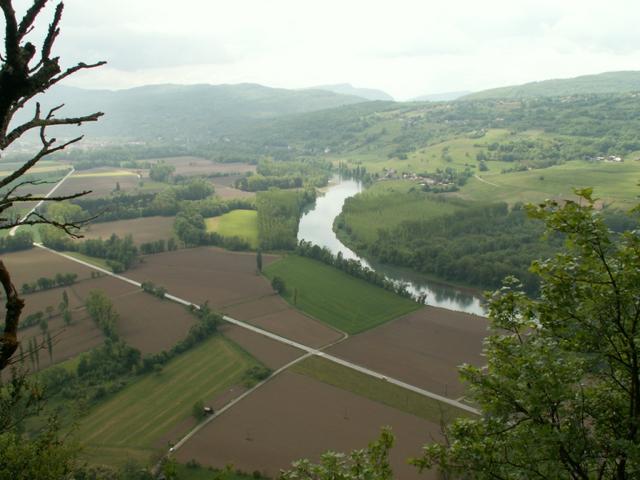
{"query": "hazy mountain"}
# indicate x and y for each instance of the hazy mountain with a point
(183, 112)
(440, 97)
(348, 89)
(609, 82)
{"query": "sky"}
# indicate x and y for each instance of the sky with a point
(405, 47)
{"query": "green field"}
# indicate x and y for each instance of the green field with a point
(332, 296)
(129, 424)
(376, 389)
(615, 183)
(386, 204)
(237, 223)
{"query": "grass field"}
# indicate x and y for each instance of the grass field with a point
(99, 262)
(127, 425)
(376, 389)
(615, 183)
(237, 223)
(389, 203)
(354, 305)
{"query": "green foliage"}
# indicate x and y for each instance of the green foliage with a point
(366, 464)
(478, 246)
(197, 411)
(279, 213)
(119, 253)
(49, 456)
(355, 305)
(256, 374)
(560, 392)
(103, 313)
(161, 171)
(44, 283)
(278, 285)
(22, 240)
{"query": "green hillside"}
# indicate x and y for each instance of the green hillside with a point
(609, 82)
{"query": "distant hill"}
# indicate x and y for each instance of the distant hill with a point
(185, 112)
(441, 97)
(348, 89)
(609, 82)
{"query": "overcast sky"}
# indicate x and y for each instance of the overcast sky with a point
(404, 47)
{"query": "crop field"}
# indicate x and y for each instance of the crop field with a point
(67, 340)
(206, 274)
(423, 348)
(29, 265)
(226, 192)
(128, 425)
(271, 353)
(237, 223)
(275, 315)
(615, 183)
(377, 390)
(143, 230)
(355, 305)
(101, 182)
(150, 324)
(200, 166)
(386, 204)
(294, 416)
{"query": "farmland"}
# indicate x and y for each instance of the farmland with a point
(206, 274)
(355, 305)
(295, 416)
(143, 230)
(191, 166)
(128, 425)
(376, 389)
(237, 223)
(273, 314)
(423, 348)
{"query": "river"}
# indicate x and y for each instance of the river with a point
(316, 226)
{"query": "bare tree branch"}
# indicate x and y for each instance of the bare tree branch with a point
(20, 81)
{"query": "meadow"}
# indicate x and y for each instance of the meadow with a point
(355, 305)
(237, 223)
(129, 425)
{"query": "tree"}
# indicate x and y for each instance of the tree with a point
(370, 463)
(259, 260)
(197, 411)
(24, 73)
(278, 285)
(560, 396)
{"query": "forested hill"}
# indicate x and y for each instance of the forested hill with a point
(348, 89)
(609, 82)
(187, 112)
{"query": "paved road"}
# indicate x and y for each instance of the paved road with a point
(12, 232)
(265, 333)
(286, 341)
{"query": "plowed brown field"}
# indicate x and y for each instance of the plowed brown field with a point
(423, 348)
(294, 416)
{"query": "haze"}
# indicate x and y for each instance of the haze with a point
(406, 48)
